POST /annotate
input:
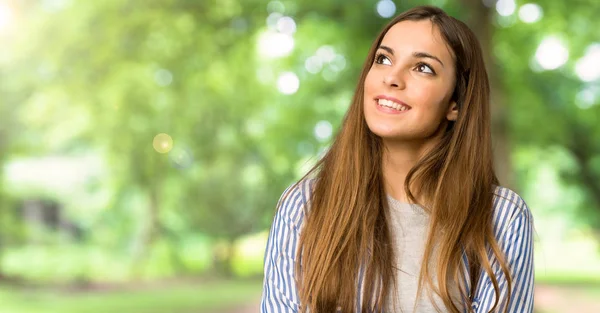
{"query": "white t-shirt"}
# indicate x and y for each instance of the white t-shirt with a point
(409, 225)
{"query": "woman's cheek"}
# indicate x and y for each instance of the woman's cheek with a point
(420, 96)
(428, 96)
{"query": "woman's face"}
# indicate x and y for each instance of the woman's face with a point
(408, 89)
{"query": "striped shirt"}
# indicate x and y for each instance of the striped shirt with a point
(512, 226)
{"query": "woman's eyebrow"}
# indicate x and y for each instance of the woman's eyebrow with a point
(419, 55)
(386, 48)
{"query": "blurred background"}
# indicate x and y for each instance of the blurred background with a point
(144, 143)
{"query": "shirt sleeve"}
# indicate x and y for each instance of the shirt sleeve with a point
(517, 244)
(279, 286)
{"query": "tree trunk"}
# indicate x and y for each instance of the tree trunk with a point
(582, 150)
(222, 257)
(480, 21)
(150, 233)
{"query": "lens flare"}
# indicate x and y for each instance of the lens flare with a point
(162, 143)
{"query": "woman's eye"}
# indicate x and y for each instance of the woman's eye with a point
(422, 67)
(382, 59)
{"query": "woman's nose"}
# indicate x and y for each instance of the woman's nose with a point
(394, 79)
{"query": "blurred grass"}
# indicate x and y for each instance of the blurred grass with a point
(570, 279)
(172, 298)
(554, 293)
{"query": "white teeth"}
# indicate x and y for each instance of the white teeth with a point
(391, 104)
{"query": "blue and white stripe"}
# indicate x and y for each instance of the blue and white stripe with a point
(513, 228)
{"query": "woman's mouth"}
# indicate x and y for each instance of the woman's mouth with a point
(390, 106)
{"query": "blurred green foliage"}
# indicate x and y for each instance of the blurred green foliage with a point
(174, 126)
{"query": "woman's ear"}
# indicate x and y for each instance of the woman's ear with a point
(452, 113)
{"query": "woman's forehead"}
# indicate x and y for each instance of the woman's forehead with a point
(407, 37)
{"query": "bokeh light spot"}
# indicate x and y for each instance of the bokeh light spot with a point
(506, 7)
(338, 64)
(386, 8)
(275, 45)
(326, 53)
(272, 20)
(587, 97)
(275, 6)
(286, 25)
(551, 53)
(323, 131)
(162, 143)
(181, 157)
(530, 13)
(288, 83)
(313, 64)
(326, 60)
(163, 77)
(588, 67)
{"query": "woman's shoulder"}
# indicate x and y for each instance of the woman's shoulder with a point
(299, 191)
(508, 205)
(295, 200)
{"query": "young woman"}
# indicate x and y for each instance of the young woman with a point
(404, 212)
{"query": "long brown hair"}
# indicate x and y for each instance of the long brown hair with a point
(346, 228)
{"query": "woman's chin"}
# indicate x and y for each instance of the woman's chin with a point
(384, 129)
(391, 135)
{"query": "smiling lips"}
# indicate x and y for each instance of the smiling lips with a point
(392, 103)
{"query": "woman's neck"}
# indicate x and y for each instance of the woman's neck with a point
(398, 159)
